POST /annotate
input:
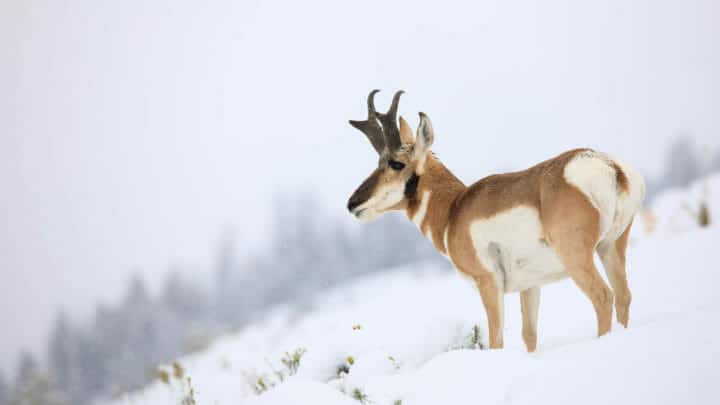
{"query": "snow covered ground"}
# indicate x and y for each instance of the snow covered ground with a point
(406, 337)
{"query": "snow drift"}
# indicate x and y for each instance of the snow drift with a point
(409, 336)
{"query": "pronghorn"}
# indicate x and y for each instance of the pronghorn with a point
(509, 232)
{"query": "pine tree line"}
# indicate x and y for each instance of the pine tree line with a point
(119, 348)
(684, 163)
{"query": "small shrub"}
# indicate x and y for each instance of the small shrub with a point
(700, 213)
(263, 382)
(359, 395)
(261, 386)
(394, 362)
(178, 371)
(291, 361)
(704, 215)
(166, 376)
(189, 398)
(163, 376)
(342, 370)
(476, 338)
(259, 383)
(471, 341)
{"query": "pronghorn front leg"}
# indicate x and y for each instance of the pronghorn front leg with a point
(494, 301)
(529, 305)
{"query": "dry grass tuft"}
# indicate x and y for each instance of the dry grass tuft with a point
(178, 371)
(262, 382)
(163, 376)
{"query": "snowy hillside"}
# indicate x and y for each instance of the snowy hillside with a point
(676, 209)
(408, 337)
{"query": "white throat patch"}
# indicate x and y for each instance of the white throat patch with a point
(419, 216)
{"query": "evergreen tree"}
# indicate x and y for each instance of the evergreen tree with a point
(38, 391)
(227, 291)
(183, 298)
(715, 163)
(137, 295)
(32, 387)
(61, 357)
(27, 369)
(95, 347)
(4, 390)
(226, 261)
(682, 163)
(135, 340)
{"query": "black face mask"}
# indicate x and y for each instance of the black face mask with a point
(411, 186)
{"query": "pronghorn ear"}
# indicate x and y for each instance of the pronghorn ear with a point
(405, 132)
(425, 134)
(423, 141)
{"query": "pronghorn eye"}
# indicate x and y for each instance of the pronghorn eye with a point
(395, 165)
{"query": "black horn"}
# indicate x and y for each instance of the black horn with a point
(370, 127)
(389, 123)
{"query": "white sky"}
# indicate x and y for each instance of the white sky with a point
(132, 133)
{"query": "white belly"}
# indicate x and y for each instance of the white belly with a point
(511, 244)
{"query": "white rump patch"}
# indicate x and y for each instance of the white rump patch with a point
(591, 172)
(594, 175)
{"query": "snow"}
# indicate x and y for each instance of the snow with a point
(400, 334)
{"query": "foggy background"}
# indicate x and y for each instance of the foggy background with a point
(144, 138)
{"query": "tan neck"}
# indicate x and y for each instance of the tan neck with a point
(429, 209)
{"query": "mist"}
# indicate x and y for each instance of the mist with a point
(133, 134)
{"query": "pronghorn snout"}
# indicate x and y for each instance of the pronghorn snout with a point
(363, 193)
(353, 202)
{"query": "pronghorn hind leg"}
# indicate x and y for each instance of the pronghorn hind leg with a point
(529, 305)
(580, 266)
(612, 254)
(573, 227)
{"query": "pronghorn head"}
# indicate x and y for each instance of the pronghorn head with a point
(402, 161)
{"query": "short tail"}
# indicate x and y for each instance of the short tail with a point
(631, 193)
(621, 179)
